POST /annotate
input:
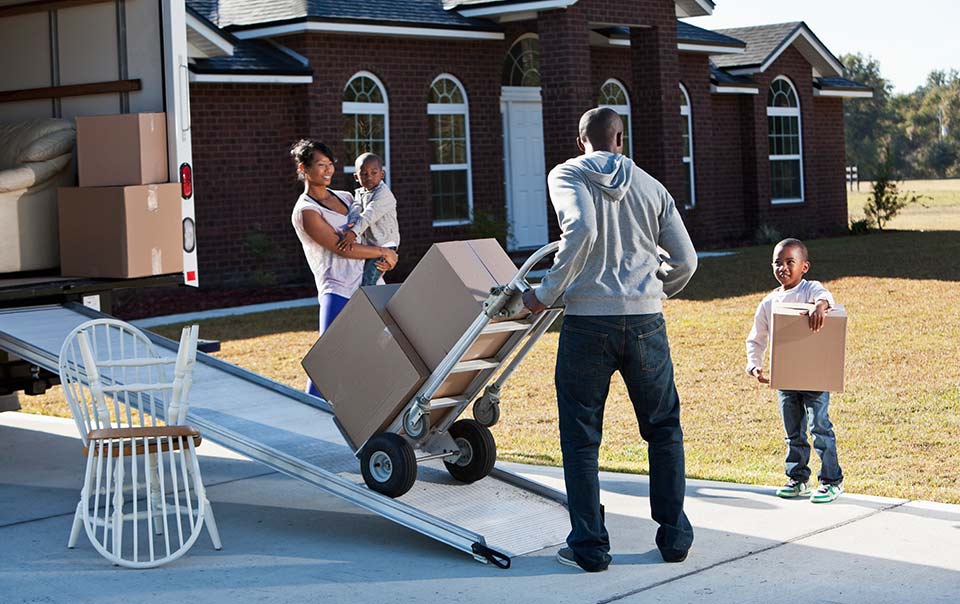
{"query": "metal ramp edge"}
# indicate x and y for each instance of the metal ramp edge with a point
(395, 510)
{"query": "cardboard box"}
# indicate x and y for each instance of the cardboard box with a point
(120, 231)
(364, 366)
(445, 293)
(801, 359)
(117, 150)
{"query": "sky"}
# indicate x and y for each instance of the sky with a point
(909, 39)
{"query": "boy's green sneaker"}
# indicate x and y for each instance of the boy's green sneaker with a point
(826, 493)
(793, 488)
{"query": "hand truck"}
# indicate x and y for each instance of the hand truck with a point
(388, 460)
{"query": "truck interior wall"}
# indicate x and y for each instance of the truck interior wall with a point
(89, 46)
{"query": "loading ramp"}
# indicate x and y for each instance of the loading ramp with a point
(494, 519)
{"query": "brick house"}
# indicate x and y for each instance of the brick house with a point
(472, 101)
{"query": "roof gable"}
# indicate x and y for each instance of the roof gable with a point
(765, 43)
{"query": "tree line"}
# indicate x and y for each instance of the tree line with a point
(913, 135)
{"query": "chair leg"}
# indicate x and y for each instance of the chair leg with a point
(155, 497)
(211, 524)
(77, 525)
(193, 468)
(118, 511)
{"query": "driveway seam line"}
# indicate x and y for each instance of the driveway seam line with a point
(796, 539)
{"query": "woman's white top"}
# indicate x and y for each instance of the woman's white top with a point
(333, 274)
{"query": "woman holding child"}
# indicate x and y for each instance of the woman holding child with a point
(319, 217)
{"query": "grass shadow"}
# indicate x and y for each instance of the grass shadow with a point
(891, 254)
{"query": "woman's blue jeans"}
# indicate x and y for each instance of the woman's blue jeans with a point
(800, 410)
(330, 307)
(591, 349)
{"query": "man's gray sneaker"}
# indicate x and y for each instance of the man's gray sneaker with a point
(565, 556)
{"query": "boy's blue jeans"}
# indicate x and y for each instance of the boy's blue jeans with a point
(799, 410)
(591, 349)
(371, 274)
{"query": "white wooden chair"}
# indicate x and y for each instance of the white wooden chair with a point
(143, 502)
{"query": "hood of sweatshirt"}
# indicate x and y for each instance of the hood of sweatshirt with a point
(610, 172)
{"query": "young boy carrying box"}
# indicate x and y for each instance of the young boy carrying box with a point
(798, 408)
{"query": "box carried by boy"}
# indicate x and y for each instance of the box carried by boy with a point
(801, 359)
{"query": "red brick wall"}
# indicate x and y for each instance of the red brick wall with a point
(824, 208)
(407, 67)
(245, 183)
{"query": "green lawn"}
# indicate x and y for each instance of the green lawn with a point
(898, 422)
(938, 211)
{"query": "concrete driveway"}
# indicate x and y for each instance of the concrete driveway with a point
(285, 541)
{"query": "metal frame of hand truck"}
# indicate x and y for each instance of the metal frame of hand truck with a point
(412, 422)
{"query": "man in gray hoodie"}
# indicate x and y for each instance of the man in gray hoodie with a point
(616, 223)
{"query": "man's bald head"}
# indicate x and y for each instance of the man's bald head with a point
(601, 129)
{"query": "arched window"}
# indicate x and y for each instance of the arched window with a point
(686, 123)
(786, 143)
(522, 67)
(451, 181)
(614, 96)
(366, 123)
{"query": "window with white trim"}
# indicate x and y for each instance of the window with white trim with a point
(522, 67)
(614, 95)
(450, 173)
(786, 143)
(686, 121)
(366, 123)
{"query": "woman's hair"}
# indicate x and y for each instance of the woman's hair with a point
(302, 153)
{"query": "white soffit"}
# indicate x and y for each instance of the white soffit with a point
(206, 39)
(360, 28)
(504, 10)
(694, 8)
(230, 78)
(846, 94)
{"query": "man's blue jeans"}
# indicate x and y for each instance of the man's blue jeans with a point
(591, 350)
(799, 410)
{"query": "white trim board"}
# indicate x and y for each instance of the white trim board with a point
(493, 11)
(209, 34)
(716, 89)
(358, 28)
(847, 94)
(229, 78)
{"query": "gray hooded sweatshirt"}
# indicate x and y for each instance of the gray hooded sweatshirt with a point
(613, 216)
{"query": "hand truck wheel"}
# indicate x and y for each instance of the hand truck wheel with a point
(388, 464)
(416, 430)
(486, 413)
(478, 451)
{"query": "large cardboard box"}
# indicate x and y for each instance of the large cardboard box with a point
(801, 359)
(364, 366)
(445, 293)
(120, 232)
(367, 369)
(127, 149)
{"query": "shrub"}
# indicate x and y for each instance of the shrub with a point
(767, 234)
(860, 226)
(886, 200)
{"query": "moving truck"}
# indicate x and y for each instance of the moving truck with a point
(71, 58)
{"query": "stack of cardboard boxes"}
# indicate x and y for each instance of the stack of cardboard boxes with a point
(124, 220)
(389, 338)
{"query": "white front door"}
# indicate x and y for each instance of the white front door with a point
(526, 184)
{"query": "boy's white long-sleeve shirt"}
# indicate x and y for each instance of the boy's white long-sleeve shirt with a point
(377, 216)
(806, 292)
